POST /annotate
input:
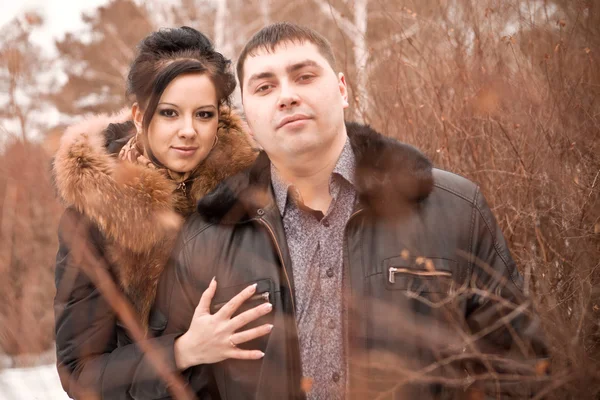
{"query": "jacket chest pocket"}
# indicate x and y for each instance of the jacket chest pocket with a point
(420, 275)
(264, 294)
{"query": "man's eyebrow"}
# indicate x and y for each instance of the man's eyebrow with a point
(289, 69)
(302, 64)
(260, 75)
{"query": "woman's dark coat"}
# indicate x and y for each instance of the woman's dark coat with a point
(118, 232)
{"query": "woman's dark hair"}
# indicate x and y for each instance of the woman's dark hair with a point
(168, 53)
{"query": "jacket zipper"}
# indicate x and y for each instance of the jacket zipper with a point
(264, 296)
(280, 254)
(347, 340)
(181, 186)
(393, 271)
(289, 282)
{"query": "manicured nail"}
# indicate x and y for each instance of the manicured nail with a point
(252, 288)
(268, 306)
(214, 279)
(270, 327)
(262, 354)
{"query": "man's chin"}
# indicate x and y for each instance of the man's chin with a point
(302, 147)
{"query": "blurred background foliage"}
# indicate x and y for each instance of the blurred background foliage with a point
(505, 93)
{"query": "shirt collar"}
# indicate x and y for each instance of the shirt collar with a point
(345, 168)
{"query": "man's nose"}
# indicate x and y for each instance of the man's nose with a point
(288, 97)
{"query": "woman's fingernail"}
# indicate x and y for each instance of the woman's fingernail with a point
(262, 354)
(270, 327)
(252, 287)
(214, 279)
(268, 306)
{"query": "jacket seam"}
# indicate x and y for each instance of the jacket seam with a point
(179, 281)
(496, 246)
(471, 264)
(105, 366)
(462, 196)
(193, 236)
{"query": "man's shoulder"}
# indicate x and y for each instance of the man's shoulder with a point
(219, 209)
(450, 184)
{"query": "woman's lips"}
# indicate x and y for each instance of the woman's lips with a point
(185, 151)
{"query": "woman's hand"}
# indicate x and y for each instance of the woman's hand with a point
(213, 338)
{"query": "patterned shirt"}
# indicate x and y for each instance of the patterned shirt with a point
(315, 242)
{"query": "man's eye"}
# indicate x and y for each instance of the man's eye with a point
(305, 77)
(263, 88)
(168, 113)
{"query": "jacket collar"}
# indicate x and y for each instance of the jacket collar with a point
(391, 177)
(114, 194)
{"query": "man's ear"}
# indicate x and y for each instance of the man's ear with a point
(138, 116)
(343, 89)
(246, 128)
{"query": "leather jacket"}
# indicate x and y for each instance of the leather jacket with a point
(433, 297)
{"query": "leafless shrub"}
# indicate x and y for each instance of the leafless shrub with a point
(504, 93)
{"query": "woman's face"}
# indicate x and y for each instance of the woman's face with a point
(183, 129)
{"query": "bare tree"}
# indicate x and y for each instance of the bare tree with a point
(25, 81)
(96, 61)
(356, 31)
(265, 11)
(222, 28)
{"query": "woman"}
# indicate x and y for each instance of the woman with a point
(128, 183)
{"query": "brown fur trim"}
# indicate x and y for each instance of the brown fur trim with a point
(136, 207)
(231, 155)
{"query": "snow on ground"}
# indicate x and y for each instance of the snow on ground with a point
(35, 383)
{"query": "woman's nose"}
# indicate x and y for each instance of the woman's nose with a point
(187, 130)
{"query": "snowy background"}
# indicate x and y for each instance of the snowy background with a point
(34, 383)
(61, 16)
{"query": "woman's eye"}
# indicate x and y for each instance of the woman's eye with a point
(168, 113)
(205, 114)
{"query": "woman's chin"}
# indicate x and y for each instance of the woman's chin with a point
(183, 168)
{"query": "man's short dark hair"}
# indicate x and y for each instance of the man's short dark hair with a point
(272, 35)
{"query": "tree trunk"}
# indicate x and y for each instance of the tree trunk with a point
(361, 57)
(222, 42)
(265, 11)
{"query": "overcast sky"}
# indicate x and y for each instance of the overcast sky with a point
(60, 16)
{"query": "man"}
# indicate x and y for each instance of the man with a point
(387, 277)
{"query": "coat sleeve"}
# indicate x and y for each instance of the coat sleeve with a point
(499, 315)
(179, 290)
(90, 363)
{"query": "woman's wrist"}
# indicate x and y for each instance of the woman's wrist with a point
(181, 351)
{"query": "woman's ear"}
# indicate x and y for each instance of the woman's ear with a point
(138, 116)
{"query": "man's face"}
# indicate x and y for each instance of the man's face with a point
(293, 100)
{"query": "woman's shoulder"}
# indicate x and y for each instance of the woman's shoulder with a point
(98, 133)
(131, 204)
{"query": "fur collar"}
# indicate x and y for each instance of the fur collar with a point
(391, 177)
(133, 206)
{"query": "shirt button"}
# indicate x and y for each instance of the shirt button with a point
(326, 224)
(330, 273)
(335, 377)
(331, 324)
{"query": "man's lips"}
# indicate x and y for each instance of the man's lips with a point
(292, 118)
